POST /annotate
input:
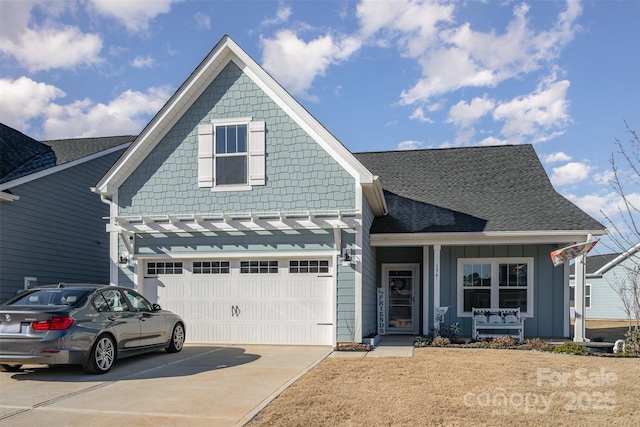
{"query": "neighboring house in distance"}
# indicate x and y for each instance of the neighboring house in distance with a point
(238, 210)
(603, 271)
(51, 227)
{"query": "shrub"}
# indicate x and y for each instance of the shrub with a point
(505, 341)
(571, 348)
(422, 341)
(632, 342)
(440, 342)
(537, 344)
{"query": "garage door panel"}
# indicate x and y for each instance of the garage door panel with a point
(250, 309)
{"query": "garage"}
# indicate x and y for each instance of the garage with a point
(252, 301)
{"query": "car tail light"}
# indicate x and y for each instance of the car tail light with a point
(56, 323)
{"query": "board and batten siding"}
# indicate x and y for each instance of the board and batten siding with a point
(56, 231)
(346, 293)
(548, 319)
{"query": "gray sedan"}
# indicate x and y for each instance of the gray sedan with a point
(89, 325)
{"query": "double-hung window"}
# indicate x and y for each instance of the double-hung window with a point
(495, 283)
(231, 154)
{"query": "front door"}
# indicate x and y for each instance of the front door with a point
(401, 282)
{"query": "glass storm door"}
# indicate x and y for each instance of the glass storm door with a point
(401, 284)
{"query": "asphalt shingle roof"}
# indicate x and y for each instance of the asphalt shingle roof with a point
(21, 155)
(473, 189)
(596, 262)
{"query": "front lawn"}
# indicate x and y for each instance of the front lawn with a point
(462, 386)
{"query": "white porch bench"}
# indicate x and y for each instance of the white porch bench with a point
(501, 321)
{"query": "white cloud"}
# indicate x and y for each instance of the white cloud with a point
(31, 100)
(418, 114)
(296, 63)
(28, 101)
(136, 16)
(203, 21)
(47, 46)
(143, 62)
(556, 157)
(409, 145)
(282, 15)
(465, 114)
(461, 57)
(571, 173)
(128, 113)
(534, 114)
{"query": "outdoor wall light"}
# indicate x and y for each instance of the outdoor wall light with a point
(346, 258)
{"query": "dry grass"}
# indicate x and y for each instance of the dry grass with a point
(462, 386)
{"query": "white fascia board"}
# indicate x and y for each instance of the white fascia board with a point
(55, 169)
(487, 238)
(617, 260)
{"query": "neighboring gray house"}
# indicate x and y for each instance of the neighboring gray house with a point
(238, 210)
(604, 272)
(51, 227)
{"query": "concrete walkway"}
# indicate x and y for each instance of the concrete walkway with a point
(389, 346)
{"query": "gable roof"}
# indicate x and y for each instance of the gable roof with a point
(22, 155)
(598, 264)
(27, 159)
(227, 50)
(474, 189)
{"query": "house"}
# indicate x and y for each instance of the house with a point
(238, 210)
(50, 222)
(604, 273)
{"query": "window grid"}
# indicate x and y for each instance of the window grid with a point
(169, 267)
(308, 267)
(259, 267)
(211, 267)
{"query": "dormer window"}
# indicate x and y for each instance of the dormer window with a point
(231, 154)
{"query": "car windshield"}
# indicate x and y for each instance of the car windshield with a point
(60, 297)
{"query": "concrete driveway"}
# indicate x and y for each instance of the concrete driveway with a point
(200, 386)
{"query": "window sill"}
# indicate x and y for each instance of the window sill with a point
(223, 188)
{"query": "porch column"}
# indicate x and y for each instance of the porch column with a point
(436, 282)
(425, 288)
(579, 304)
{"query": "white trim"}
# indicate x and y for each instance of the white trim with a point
(495, 287)
(248, 256)
(357, 258)
(425, 287)
(465, 239)
(566, 314)
(617, 260)
(437, 266)
(59, 168)
(415, 268)
(579, 326)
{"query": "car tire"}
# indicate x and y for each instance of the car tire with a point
(177, 339)
(102, 356)
(10, 368)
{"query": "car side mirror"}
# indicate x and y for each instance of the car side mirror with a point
(156, 307)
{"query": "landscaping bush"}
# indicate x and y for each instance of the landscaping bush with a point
(440, 342)
(505, 341)
(538, 344)
(571, 348)
(632, 342)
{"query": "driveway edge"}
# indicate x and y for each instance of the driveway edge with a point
(249, 416)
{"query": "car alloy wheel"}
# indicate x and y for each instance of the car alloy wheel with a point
(103, 354)
(177, 339)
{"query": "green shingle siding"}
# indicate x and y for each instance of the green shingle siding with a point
(300, 174)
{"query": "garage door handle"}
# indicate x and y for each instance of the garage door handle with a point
(235, 311)
(325, 324)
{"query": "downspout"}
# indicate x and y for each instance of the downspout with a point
(113, 237)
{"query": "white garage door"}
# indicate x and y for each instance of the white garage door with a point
(247, 302)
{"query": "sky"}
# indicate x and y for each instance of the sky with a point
(380, 75)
